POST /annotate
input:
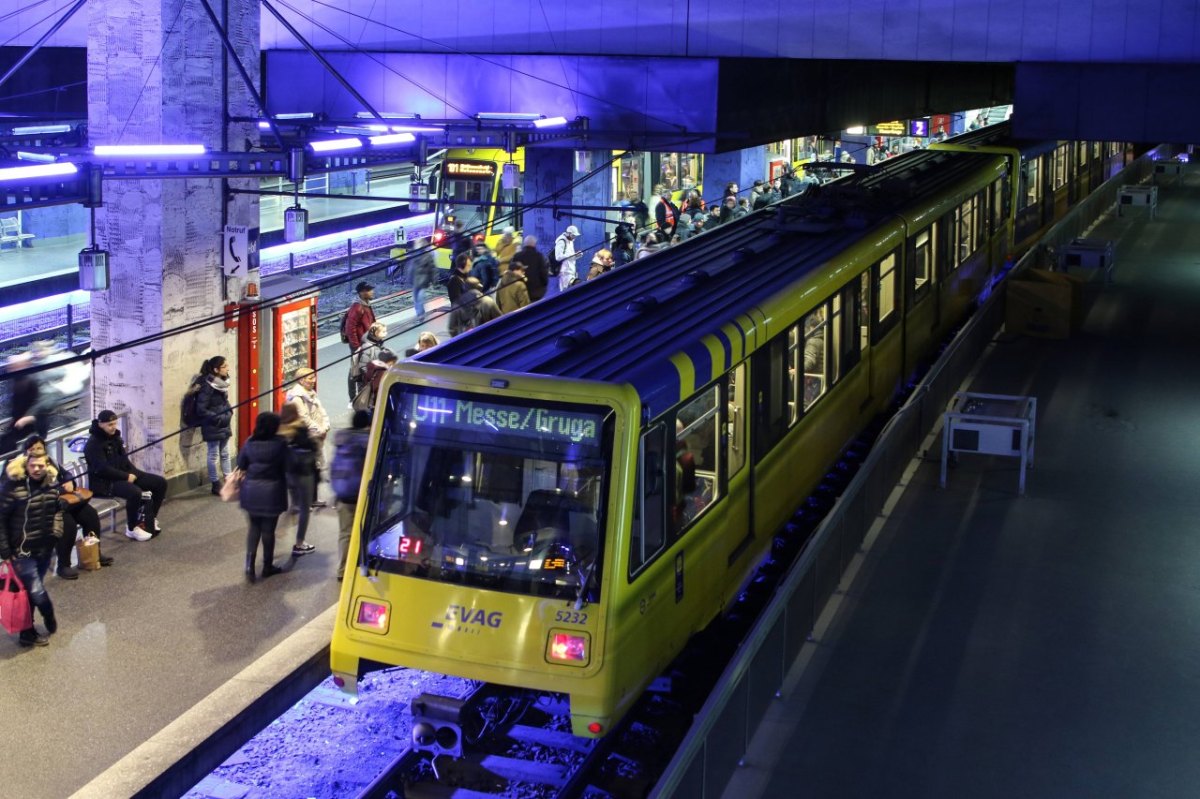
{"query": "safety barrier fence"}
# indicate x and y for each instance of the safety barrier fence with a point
(720, 736)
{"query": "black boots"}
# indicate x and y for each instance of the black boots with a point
(250, 569)
(216, 488)
(51, 622)
(270, 569)
(32, 637)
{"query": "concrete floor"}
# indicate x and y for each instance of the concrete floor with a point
(1045, 645)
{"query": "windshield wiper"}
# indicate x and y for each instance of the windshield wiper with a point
(583, 585)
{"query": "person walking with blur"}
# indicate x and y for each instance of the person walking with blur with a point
(537, 276)
(312, 413)
(31, 403)
(422, 275)
(264, 462)
(346, 473)
(301, 472)
(216, 418)
(30, 526)
(484, 266)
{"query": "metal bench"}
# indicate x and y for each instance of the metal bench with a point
(10, 232)
(106, 507)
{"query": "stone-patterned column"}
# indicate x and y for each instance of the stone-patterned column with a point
(740, 166)
(155, 76)
(549, 170)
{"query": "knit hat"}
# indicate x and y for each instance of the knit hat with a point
(106, 416)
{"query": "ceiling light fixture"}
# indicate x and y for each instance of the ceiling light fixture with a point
(330, 145)
(393, 138)
(550, 122)
(148, 150)
(38, 171)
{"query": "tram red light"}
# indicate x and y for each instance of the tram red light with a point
(568, 647)
(371, 614)
(340, 682)
(439, 238)
(595, 728)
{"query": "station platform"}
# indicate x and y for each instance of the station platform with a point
(43, 259)
(141, 643)
(1045, 645)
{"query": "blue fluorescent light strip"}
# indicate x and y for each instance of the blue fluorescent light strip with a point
(334, 144)
(149, 150)
(393, 138)
(549, 123)
(38, 171)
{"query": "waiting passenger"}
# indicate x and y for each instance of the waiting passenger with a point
(602, 262)
(312, 413)
(30, 526)
(365, 401)
(537, 275)
(474, 308)
(112, 474)
(485, 267)
(459, 272)
(506, 248)
(426, 341)
(360, 316)
(513, 294)
(216, 417)
(566, 255)
(369, 351)
(264, 492)
(666, 215)
(301, 472)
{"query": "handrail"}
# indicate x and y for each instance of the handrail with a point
(690, 767)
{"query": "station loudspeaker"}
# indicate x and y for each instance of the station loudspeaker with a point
(583, 160)
(511, 176)
(437, 724)
(295, 224)
(93, 269)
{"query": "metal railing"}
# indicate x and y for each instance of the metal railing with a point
(715, 745)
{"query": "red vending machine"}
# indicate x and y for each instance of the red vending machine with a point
(294, 343)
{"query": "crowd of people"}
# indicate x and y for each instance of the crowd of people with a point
(45, 509)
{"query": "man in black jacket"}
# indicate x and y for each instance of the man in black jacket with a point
(537, 273)
(112, 474)
(30, 526)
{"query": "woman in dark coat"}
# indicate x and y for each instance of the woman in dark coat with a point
(264, 494)
(216, 417)
(302, 471)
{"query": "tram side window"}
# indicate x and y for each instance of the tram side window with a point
(923, 263)
(864, 310)
(1031, 184)
(649, 532)
(1060, 166)
(697, 474)
(999, 202)
(965, 216)
(772, 385)
(793, 373)
(735, 441)
(885, 296)
(851, 336)
(816, 356)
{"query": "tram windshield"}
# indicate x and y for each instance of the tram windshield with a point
(497, 492)
(470, 187)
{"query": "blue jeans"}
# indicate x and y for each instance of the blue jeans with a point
(31, 570)
(419, 302)
(218, 449)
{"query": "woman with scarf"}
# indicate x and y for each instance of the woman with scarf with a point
(216, 417)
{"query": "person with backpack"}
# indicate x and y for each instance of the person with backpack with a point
(213, 414)
(359, 317)
(346, 473)
(473, 309)
(563, 258)
(459, 273)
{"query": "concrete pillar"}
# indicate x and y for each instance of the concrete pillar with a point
(549, 170)
(742, 167)
(155, 75)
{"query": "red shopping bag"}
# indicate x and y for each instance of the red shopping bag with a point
(15, 613)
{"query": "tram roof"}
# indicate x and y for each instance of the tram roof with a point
(625, 326)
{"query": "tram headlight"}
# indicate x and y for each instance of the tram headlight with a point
(569, 648)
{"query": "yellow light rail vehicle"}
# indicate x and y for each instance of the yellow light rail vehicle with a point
(559, 499)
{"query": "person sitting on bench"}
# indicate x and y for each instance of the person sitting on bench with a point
(112, 474)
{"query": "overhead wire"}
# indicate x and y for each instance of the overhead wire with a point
(19, 11)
